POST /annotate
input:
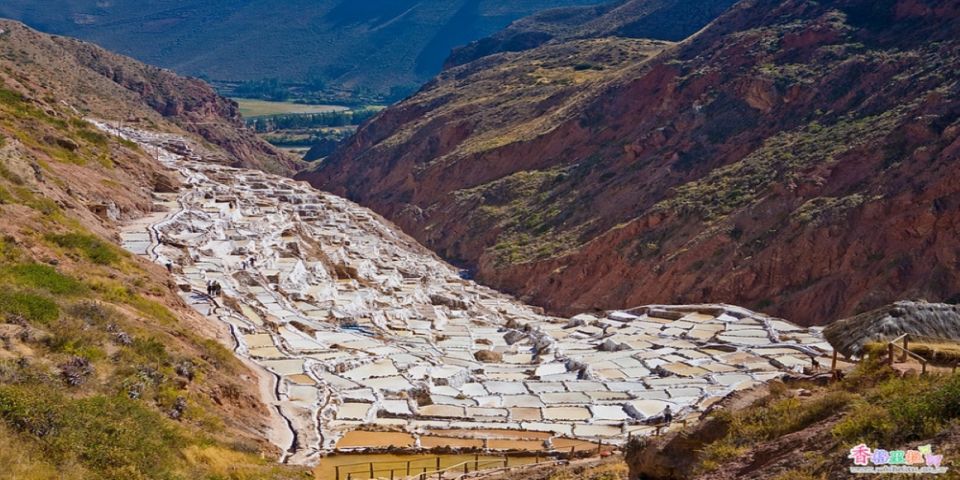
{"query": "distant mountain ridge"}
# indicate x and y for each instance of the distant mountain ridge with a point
(377, 45)
(671, 20)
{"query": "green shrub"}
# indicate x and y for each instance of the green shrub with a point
(152, 350)
(152, 309)
(43, 277)
(903, 409)
(713, 455)
(92, 313)
(10, 97)
(788, 415)
(798, 475)
(114, 436)
(866, 423)
(93, 248)
(9, 252)
(35, 308)
(92, 136)
(72, 336)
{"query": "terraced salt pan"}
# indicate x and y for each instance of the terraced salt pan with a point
(386, 334)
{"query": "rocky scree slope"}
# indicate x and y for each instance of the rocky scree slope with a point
(796, 157)
(104, 371)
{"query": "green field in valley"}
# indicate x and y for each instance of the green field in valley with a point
(259, 108)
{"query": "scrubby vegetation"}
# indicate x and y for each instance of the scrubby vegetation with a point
(101, 375)
(526, 211)
(94, 249)
(86, 388)
(779, 159)
(873, 405)
(898, 410)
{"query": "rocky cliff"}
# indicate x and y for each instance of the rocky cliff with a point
(797, 157)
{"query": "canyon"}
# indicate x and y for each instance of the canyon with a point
(795, 158)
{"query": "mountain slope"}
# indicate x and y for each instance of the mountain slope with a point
(797, 157)
(378, 45)
(670, 20)
(105, 373)
(99, 78)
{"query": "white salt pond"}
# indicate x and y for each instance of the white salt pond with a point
(329, 298)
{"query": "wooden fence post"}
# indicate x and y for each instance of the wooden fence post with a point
(890, 353)
(904, 357)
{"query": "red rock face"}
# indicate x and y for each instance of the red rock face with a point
(189, 102)
(797, 158)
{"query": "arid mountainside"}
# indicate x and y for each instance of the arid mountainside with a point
(105, 80)
(796, 157)
(105, 372)
(671, 20)
(806, 428)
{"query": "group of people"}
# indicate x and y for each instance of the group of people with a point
(214, 288)
(250, 262)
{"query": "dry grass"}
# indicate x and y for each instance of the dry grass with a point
(939, 353)
(613, 468)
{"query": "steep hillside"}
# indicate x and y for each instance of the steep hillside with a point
(105, 373)
(670, 20)
(97, 78)
(807, 430)
(797, 157)
(379, 45)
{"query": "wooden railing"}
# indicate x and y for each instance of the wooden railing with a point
(430, 467)
(465, 466)
(893, 346)
(421, 469)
